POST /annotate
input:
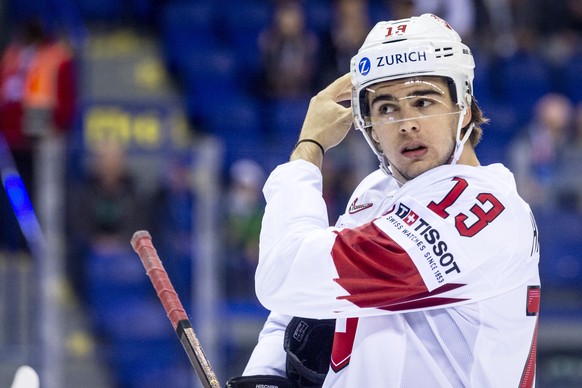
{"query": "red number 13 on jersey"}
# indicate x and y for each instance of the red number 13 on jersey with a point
(484, 217)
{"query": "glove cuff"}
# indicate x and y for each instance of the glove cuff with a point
(258, 380)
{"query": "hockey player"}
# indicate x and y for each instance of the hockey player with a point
(431, 275)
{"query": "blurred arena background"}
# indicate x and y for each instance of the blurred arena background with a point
(168, 115)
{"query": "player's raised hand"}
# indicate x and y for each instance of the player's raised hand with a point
(327, 121)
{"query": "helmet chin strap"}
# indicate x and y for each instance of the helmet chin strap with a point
(460, 142)
(387, 167)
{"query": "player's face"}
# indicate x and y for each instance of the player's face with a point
(415, 122)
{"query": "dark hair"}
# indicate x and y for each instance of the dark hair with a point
(477, 119)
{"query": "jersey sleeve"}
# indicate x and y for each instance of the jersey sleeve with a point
(268, 356)
(295, 245)
(413, 256)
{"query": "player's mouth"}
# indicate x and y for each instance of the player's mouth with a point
(414, 150)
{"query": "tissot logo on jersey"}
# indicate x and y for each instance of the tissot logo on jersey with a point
(423, 235)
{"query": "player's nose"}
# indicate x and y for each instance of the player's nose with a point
(409, 125)
(409, 121)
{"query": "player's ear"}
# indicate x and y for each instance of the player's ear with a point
(374, 135)
(468, 117)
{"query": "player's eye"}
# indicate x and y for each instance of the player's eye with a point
(423, 103)
(387, 109)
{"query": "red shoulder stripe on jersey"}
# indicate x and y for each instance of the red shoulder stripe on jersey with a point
(378, 273)
(373, 268)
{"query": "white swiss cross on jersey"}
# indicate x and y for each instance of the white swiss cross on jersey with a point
(410, 218)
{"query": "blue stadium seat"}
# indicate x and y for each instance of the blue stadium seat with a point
(379, 11)
(101, 10)
(206, 71)
(185, 28)
(319, 15)
(208, 79)
(482, 85)
(238, 121)
(498, 133)
(134, 318)
(135, 360)
(243, 24)
(523, 78)
(246, 17)
(286, 118)
(561, 249)
(195, 17)
(111, 280)
(571, 77)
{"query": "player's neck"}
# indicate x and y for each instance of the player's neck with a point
(468, 156)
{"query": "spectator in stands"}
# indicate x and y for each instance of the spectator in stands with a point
(37, 91)
(288, 53)
(535, 156)
(245, 206)
(349, 27)
(37, 101)
(105, 210)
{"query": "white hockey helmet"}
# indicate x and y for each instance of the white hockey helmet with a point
(425, 45)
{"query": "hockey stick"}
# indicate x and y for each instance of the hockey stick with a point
(143, 246)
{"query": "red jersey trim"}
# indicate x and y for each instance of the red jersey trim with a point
(378, 273)
(343, 343)
(533, 308)
(529, 370)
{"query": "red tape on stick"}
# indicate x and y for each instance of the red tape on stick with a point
(143, 246)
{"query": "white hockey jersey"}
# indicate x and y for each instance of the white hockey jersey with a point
(432, 284)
